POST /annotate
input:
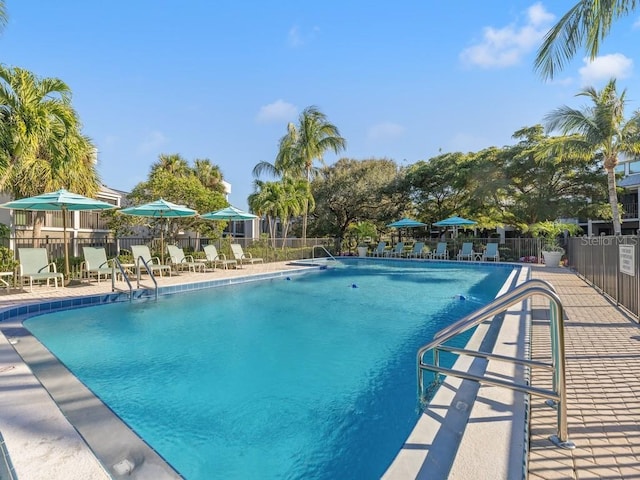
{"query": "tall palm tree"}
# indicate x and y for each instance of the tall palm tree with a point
(209, 174)
(41, 147)
(586, 24)
(602, 130)
(171, 163)
(305, 144)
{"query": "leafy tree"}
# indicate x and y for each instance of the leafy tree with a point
(41, 147)
(586, 24)
(601, 130)
(209, 174)
(352, 191)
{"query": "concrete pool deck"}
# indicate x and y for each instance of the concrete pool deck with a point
(603, 390)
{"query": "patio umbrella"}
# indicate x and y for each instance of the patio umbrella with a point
(160, 209)
(455, 222)
(405, 223)
(59, 201)
(229, 213)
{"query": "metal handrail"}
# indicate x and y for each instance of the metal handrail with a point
(123, 272)
(557, 394)
(149, 271)
(313, 251)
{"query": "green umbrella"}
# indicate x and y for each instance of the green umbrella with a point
(160, 209)
(59, 201)
(229, 213)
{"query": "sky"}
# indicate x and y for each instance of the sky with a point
(221, 79)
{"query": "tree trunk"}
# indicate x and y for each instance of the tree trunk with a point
(38, 223)
(613, 200)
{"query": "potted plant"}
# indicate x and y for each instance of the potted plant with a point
(549, 231)
(361, 231)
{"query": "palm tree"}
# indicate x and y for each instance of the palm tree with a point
(41, 147)
(303, 145)
(209, 174)
(602, 130)
(173, 164)
(586, 24)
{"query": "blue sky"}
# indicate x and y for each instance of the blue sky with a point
(221, 79)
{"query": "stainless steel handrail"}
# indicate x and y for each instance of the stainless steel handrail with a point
(140, 260)
(123, 272)
(313, 251)
(557, 394)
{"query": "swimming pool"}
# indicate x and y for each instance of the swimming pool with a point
(308, 377)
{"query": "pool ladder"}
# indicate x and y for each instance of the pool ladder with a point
(313, 251)
(140, 263)
(556, 396)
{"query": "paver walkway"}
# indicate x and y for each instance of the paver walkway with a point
(603, 386)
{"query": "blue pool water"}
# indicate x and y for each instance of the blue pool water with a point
(307, 377)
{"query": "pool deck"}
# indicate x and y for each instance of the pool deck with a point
(603, 389)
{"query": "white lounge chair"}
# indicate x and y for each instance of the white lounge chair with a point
(218, 259)
(143, 252)
(95, 263)
(35, 267)
(180, 261)
(416, 251)
(241, 257)
(491, 253)
(440, 252)
(379, 250)
(466, 252)
(396, 251)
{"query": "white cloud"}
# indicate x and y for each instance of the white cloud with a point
(276, 112)
(503, 47)
(297, 38)
(151, 143)
(605, 67)
(385, 131)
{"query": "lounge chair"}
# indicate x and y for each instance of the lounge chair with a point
(416, 251)
(440, 252)
(379, 250)
(180, 261)
(218, 259)
(95, 263)
(466, 252)
(241, 257)
(491, 253)
(142, 252)
(35, 267)
(396, 251)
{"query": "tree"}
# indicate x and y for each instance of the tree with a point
(351, 191)
(172, 163)
(586, 24)
(303, 145)
(41, 147)
(209, 174)
(602, 130)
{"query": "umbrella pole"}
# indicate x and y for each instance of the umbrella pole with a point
(66, 246)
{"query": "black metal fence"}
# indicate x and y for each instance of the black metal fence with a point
(612, 265)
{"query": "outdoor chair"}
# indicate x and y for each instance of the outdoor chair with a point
(379, 250)
(180, 261)
(466, 252)
(95, 263)
(440, 252)
(396, 251)
(241, 257)
(142, 252)
(35, 267)
(416, 251)
(217, 259)
(491, 253)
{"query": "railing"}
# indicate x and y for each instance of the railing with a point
(142, 261)
(557, 394)
(313, 251)
(125, 277)
(610, 263)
